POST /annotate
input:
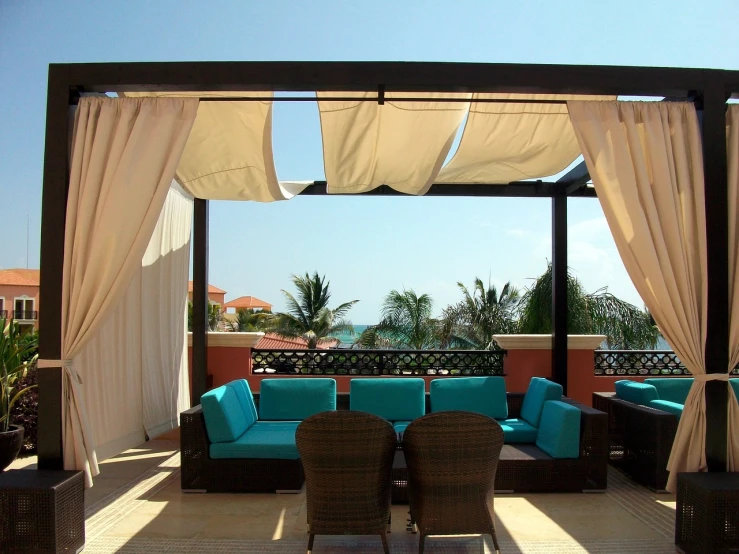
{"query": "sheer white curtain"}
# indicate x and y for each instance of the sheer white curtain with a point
(645, 159)
(124, 155)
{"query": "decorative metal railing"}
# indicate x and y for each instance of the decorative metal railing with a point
(640, 362)
(25, 315)
(378, 362)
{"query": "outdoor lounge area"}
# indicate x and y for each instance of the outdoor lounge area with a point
(128, 185)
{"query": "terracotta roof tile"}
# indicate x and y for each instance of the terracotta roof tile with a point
(270, 340)
(20, 277)
(248, 302)
(211, 289)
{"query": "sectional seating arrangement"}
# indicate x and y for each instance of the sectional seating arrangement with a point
(643, 422)
(229, 446)
(236, 442)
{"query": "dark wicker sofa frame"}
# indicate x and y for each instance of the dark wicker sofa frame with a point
(522, 468)
(640, 439)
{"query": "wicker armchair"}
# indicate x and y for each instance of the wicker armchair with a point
(347, 458)
(452, 459)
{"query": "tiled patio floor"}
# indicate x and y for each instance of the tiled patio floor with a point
(136, 506)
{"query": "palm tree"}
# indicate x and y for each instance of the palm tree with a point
(625, 325)
(309, 316)
(406, 323)
(248, 320)
(215, 316)
(480, 314)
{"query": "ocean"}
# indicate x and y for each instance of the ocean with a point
(347, 338)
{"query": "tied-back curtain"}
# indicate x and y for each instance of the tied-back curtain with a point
(400, 144)
(124, 155)
(732, 120)
(645, 159)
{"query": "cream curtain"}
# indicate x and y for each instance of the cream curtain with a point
(732, 120)
(646, 163)
(400, 144)
(124, 155)
(505, 141)
(229, 153)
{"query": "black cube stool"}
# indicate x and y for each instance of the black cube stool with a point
(707, 518)
(42, 511)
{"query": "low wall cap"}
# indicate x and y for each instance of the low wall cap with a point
(544, 342)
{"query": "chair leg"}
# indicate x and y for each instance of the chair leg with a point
(421, 544)
(495, 541)
(385, 547)
(310, 543)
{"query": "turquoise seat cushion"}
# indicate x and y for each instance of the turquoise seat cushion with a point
(400, 426)
(667, 406)
(539, 391)
(295, 399)
(638, 393)
(483, 395)
(674, 389)
(395, 399)
(265, 439)
(559, 432)
(225, 419)
(246, 399)
(518, 431)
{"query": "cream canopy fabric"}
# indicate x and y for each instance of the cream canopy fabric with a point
(124, 155)
(504, 142)
(646, 162)
(399, 144)
(732, 120)
(229, 151)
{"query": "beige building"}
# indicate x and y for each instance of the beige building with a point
(19, 296)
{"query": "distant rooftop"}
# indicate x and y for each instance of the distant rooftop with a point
(243, 302)
(211, 289)
(271, 340)
(20, 277)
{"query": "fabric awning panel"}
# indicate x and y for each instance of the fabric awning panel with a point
(399, 144)
(229, 152)
(504, 142)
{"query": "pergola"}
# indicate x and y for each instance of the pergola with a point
(707, 89)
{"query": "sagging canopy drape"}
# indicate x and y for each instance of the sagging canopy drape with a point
(646, 163)
(124, 156)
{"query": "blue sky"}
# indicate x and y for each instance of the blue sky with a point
(366, 246)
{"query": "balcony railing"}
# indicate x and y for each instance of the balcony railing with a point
(378, 362)
(640, 362)
(25, 315)
(3, 314)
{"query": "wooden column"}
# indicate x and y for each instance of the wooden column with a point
(200, 300)
(713, 104)
(559, 287)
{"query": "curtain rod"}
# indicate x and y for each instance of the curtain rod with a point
(378, 99)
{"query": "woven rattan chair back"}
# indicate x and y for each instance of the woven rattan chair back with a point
(347, 458)
(452, 459)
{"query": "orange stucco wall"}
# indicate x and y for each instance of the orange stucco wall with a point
(215, 297)
(11, 292)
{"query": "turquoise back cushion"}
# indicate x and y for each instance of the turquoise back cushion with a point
(395, 399)
(483, 395)
(638, 393)
(559, 432)
(225, 419)
(246, 399)
(735, 385)
(295, 399)
(539, 391)
(671, 389)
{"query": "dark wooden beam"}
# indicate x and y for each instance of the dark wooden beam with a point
(559, 288)
(713, 104)
(395, 76)
(521, 189)
(575, 179)
(53, 220)
(200, 300)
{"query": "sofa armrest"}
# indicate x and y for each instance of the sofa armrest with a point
(515, 401)
(646, 428)
(194, 447)
(594, 450)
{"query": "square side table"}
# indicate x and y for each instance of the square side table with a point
(707, 518)
(42, 511)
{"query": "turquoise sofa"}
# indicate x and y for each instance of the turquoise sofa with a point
(230, 446)
(399, 400)
(544, 420)
(666, 394)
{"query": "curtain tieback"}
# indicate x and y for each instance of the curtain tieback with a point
(68, 366)
(703, 377)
